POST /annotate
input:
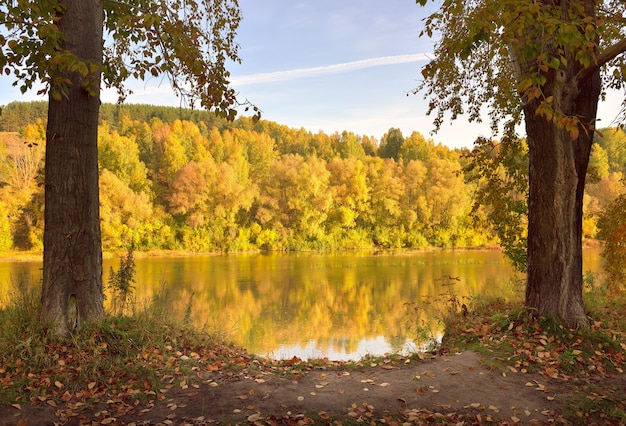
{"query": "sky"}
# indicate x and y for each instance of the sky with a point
(330, 65)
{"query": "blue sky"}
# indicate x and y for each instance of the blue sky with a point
(330, 65)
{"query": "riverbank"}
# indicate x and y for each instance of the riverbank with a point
(17, 256)
(497, 365)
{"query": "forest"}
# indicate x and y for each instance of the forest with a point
(180, 179)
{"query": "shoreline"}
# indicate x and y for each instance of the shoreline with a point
(34, 256)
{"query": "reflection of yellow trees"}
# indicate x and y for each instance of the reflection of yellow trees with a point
(335, 300)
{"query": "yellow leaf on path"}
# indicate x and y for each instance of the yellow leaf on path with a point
(254, 417)
(107, 421)
(91, 385)
(384, 385)
(18, 406)
(300, 398)
(58, 384)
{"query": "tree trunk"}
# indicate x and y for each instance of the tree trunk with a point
(557, 170)
(72, 262)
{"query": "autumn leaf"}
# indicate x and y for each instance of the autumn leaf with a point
(254, 417)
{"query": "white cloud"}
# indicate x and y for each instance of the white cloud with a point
(328, 69)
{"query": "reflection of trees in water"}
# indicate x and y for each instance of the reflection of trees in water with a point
(263, 302)
(336, 300)
(333, 300)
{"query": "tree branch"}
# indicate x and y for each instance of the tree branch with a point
(605, 56)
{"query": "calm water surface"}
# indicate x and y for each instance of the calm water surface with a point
(340, 306)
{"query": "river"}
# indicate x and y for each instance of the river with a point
(341, 305)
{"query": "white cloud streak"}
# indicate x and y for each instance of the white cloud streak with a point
(271, 77)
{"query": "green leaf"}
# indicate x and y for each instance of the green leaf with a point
(554, 63)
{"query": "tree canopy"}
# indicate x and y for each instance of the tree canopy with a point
(492, 57)
(190, 43)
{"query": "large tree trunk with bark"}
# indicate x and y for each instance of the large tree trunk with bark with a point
(557, 170)
(72, 264)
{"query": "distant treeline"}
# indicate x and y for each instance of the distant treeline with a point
(173, 178)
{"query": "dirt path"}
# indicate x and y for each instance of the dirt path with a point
(445, 388)
(446, 384)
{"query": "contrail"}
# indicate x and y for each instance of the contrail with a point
(269, 77)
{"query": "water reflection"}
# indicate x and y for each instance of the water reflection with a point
(340, 306)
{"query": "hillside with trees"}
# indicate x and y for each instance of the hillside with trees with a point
(178, 179)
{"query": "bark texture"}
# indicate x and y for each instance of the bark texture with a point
(557, 171)
(72, 269)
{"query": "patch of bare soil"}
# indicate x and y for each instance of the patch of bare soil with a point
(439, 388)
